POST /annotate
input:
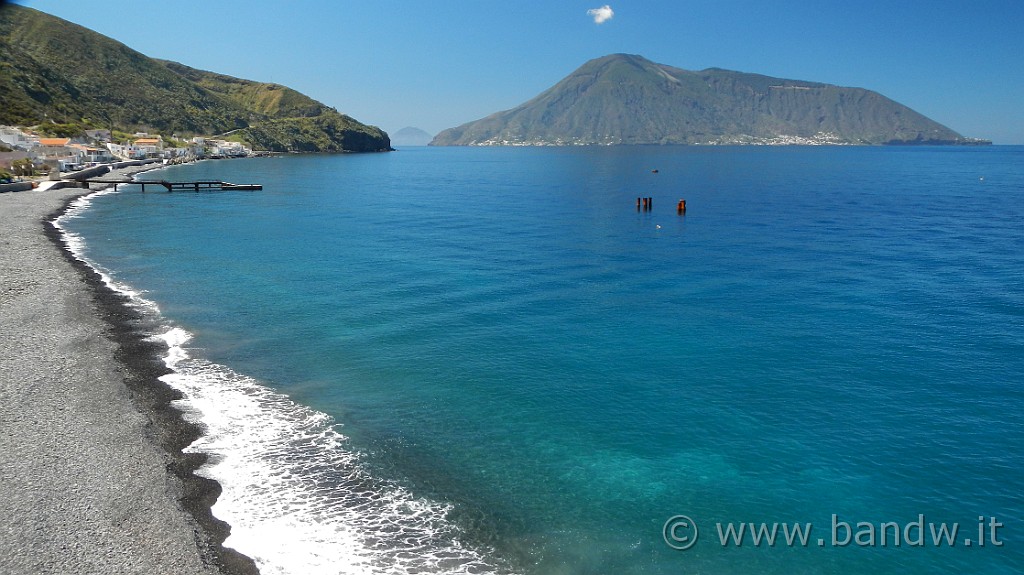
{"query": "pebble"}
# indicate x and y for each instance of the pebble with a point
(84, 489)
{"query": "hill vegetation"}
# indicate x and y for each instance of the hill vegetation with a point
(627, 99)
(54, 72)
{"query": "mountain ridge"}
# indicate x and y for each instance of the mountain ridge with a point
(626, 99)
(55, 71)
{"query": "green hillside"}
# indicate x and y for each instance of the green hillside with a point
(271, 100)
(54, 71)
(626, 99)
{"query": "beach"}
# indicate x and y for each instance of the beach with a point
(91, 469)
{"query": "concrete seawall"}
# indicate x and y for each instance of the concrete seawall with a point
(16, 187)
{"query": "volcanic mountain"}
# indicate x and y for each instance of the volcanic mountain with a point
(627, 99)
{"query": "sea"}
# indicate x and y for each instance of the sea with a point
(491, 360)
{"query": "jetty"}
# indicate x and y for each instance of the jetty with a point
(193, 186)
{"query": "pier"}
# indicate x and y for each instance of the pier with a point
(194, 186)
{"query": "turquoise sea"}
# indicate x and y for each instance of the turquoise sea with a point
(487, 360)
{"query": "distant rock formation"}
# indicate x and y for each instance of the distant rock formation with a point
(410, 137)
(627, 99)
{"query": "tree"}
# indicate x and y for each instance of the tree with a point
(23, 167)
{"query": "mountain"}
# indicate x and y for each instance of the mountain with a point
(627, 99)
(54, 71)
(410, 137)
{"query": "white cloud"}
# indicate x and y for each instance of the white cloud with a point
(602, 14)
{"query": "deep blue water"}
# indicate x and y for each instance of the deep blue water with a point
(529, 374)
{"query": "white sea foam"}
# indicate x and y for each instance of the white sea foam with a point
(76, 245)
(298, 499)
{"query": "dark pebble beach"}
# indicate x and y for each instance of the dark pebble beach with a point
(92, 477)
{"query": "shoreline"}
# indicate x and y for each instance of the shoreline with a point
(96, 480)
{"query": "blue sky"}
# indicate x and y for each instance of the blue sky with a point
(435, 65)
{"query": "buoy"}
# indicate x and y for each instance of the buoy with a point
(681, 207)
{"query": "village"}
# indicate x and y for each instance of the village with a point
(25, 154)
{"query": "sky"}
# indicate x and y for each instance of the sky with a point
(439, 64)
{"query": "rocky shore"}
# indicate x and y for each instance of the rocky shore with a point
(91, 470)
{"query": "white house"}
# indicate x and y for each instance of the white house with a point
(227, 149)
(92, 154)
(56, 152)
(150, 147)
(116, 150)
(15, 138)
(128, 152)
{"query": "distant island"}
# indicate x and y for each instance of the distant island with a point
(411, 136)
(63, 79)
(627, 99)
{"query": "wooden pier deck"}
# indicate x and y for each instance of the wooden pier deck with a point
(193, 186)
